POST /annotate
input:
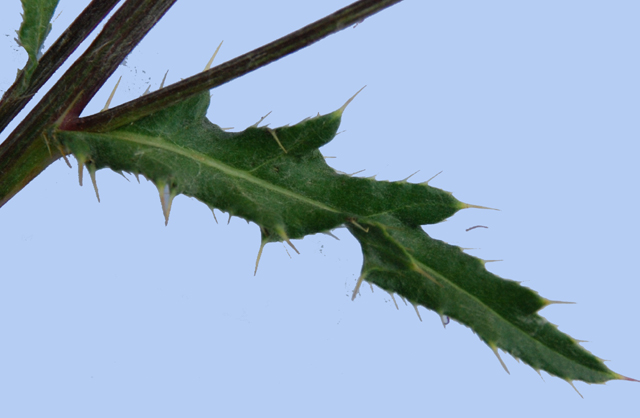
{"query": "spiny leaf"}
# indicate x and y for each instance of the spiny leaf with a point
(248, 174)
(34, 30)
(405, 260)
(279, 180)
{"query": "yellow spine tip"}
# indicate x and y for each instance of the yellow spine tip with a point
(574, 388)
(495, 351)
(213, 57)
(344, 106)
(106, 106)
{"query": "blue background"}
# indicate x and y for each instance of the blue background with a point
(528, 107)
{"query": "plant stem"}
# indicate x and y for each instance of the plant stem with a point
(21, 158)
(18, 95)
(237, 67)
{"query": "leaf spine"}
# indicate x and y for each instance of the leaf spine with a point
(344, 106)
(574, 388)
(262, 244)
(163, 80)
(166, 199)
(331, 235)
(405, 179)
(106, 106)
(273, 134)
(427, 182)
(62, 151)
(490, 261)
(469, 206)
(214, 217)
(417, 312)
(212, 57)
(255, 125)
(353, 221)
(495, 351)
(122, 174)
(92, 173)
(80, 170)
(621, 377)
(394, 300)
(291, 245)
(548, 302)
(356, 289)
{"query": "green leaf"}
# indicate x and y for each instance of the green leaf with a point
(275, 178)
(34, 30)
(279, 180)
(403, 259)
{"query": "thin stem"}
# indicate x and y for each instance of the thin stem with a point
(150, 103)
(18, 94)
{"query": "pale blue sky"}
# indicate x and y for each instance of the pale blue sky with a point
(529, 107)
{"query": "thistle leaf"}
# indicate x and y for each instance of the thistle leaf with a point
(275, 178)
(34, 30)
(403, 259)
(279, 180)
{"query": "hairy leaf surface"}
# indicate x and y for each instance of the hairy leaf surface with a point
(279, 180)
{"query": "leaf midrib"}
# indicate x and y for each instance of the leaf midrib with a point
(503, 319)
(161, 143)
(496, 314)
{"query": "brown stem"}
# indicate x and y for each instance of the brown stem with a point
(19, 94)
(72, 92)
(230, 70)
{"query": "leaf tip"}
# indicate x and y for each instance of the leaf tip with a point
(344, 106)
(469, 206)
(628, 379)
(548, 302)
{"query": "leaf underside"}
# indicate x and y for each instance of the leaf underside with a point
(279, 180)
